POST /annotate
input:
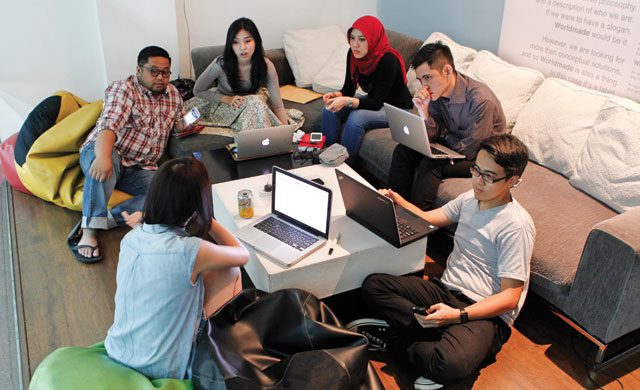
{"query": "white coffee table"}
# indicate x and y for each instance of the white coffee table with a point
(359, 254)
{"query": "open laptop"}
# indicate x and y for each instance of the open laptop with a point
(269, 141)
(379, 214)
(299, 220)
(409, 130)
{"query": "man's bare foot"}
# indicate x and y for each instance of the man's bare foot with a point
(89, 237)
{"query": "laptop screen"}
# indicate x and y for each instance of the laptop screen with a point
(301, 201)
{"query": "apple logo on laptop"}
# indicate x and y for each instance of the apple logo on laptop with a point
(265, 142)
(406, 130)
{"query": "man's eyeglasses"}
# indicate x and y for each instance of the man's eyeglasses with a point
(155, 72)
(486, 177)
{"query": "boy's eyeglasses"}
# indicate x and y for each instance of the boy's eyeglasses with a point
(486, 177)
(155, 72)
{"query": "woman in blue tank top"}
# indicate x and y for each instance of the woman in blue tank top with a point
(168, 279)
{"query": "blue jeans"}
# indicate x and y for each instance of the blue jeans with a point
(357, 121)
(132, 180)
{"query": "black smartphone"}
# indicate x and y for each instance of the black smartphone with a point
(419, 310)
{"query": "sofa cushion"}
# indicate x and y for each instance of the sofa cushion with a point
(331, 77)
(307, 50)
(556, 122)
(609, 166)
(563, 217)
(405, 44)
(513, 85)
(376, 153)
(462, 57)
(312, 113)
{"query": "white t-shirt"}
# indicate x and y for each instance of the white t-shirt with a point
(489, 245)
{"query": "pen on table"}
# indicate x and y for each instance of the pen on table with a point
(334, 242)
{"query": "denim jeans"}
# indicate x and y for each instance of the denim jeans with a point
(132, 180)
(357, 121)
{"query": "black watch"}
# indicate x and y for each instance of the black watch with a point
(464, 316)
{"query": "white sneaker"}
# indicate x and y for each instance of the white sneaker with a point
(423, 383)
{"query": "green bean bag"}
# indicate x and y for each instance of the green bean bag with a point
(91, 368)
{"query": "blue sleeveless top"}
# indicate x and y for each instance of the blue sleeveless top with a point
(158, 310)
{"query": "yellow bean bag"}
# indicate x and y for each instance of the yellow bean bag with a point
(47, 149)
(91, 368)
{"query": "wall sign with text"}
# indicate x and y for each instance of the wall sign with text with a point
(593, 43)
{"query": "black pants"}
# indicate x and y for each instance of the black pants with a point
(445, 355)
(407, 163)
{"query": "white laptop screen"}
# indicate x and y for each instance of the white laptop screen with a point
(301, 201)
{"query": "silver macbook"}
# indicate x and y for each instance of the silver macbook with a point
(410, 130)
(299, 220)
(256, 143)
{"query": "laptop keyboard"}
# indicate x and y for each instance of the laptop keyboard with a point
(286, 233)
(404, 229)
(435, 152)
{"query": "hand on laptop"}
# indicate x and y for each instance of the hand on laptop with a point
(421, 100)
(394, 196)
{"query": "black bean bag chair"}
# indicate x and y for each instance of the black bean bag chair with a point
(288, 339)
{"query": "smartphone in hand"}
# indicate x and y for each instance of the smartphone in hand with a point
(419, 310)
(191, 117)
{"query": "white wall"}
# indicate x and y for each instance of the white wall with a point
(82, 45)
(128, 26)
(595, 45)
(47, 46)
(470, 23)
(209, 20)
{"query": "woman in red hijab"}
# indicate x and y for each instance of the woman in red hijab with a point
(377, 68)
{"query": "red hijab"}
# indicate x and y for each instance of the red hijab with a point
(373, 31)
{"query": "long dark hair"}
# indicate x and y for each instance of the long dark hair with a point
(230, 60)
(179, 190)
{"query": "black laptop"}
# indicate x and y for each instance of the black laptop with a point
(379, 214)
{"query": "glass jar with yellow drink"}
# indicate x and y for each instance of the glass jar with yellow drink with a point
(245, 203)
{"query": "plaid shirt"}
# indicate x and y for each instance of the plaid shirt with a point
(141, 121)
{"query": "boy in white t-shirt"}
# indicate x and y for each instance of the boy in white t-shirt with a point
(470, 311)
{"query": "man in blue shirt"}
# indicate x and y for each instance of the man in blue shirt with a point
(459, 112)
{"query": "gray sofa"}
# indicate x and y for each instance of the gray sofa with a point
(202, 57)
(586, 261)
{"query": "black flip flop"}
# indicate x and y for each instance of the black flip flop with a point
(72, 242)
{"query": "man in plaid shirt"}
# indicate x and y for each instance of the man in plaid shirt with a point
(123, 150)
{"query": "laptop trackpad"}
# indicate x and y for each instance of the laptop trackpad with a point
(266, 243)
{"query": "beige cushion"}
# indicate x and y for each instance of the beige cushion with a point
(307, 50)
(513, 85)
(609, 166)
(462, 57)
(556, 122)
(331, 76)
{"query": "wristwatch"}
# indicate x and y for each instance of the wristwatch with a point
(350, 103)
(464, 316)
